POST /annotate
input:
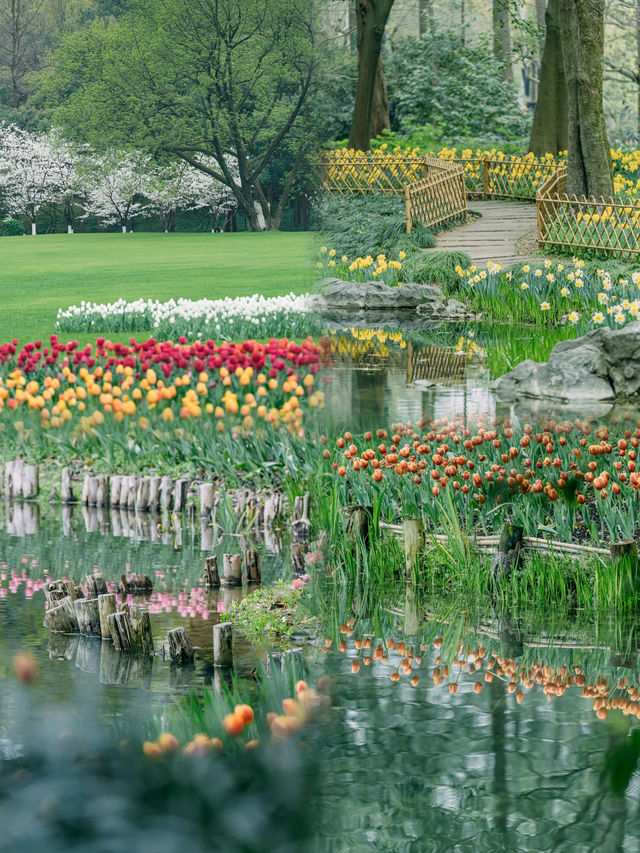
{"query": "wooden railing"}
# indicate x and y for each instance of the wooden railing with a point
(364, 172)
(595, 225)
(433, 189)
(440, 197)
(515, 178)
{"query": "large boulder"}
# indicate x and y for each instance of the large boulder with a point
(352, 297)
(600, 366)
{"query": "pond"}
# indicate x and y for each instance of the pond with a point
(449, 728)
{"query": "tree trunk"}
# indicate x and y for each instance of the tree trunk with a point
(589, 157)
(549, 132)
(372, 16)
(380, 112)
(425, 17)
(502, 38)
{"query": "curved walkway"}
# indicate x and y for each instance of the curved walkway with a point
(492, 236)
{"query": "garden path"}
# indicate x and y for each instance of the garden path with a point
(494, 235)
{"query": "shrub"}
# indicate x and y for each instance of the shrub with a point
(371, 224)
(438, 268)
(12, 228)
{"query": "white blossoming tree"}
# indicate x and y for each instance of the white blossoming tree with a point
(27, 174)
(116, 185)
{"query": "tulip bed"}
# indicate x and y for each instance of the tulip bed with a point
(569, 479)
(153, 402)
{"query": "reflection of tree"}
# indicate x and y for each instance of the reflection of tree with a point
(370, 390)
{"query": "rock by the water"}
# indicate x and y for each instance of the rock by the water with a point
(337, 296)
(599, 366)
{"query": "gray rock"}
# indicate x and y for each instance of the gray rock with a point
(337, 296)
(600, 366)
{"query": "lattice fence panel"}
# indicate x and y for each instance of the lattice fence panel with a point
(439, 198)
(508, 178)
(602, 226)
(361, 173)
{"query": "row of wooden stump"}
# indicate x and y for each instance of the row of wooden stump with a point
(69, 611)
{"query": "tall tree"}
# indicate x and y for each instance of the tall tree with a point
(589, 157)
(372, 17)
(201, 80)
(550, 128)
(502, 37)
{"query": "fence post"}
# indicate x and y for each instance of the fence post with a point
(407, 207)
(486, 182)
(540, 219)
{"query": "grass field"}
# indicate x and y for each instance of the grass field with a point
(40, 274)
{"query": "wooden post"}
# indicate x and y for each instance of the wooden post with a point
(206, 500)
(413, 529)
(486, 178)
(29, 482)
(211, 576)
(141, 629)
(407, 208)
(272, 508)
(132, 492)
(66, 490)
(102, 491)
(232, 570)
(409, 380)
(180, 498)
(96, 585)
(106, 606)
(180, 648)
(507, 556)
(142, 497)
(115, 489)
(359, 522)
(252, 565)
(206, 535)
(223, 644)
(154, 494)
(121, 631)
(625, 549)
(88, 616)
(62, 618)
(166, 493)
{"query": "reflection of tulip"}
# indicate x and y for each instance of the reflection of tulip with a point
(26, 667)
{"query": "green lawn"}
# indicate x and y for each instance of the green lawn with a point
(40, 274)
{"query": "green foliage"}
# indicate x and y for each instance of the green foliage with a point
(362, 225)
(202, 82)
(457, 89)
(270, 616)
(12, 228)
(437, 267)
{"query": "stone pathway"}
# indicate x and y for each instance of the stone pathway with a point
(494, 235)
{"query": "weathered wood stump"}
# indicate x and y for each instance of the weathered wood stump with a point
(96, 585)
(106, 607)
(102, 491)
(154, 493)
(232, 570)
(211, 576)
(252, 565)
(66, 489)
(359, 520)
(272, 508)
(301, 510)
(30, 482)
(413, 529)
(206, 499)
(62, 618)
(166, 493)
(223, 644)
(88, 616)
(180, 648)
(136, 582)
(141, 629)
(121, 631)
(507, 557)
(180, 495)
(115, 489)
